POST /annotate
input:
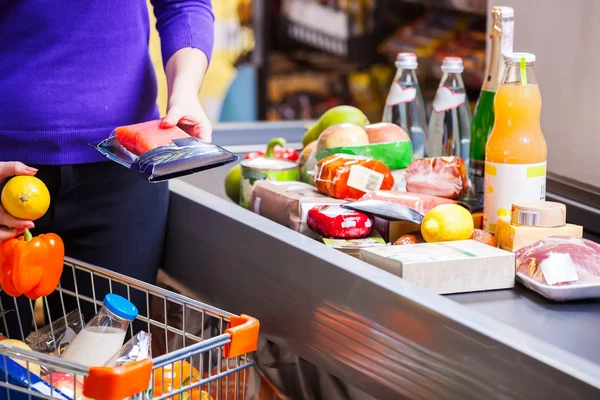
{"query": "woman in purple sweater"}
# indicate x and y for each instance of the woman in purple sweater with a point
(71, 72)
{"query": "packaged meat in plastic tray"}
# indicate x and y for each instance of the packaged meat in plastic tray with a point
(561, 268)
(158, 154)
(421, 203)
(438, 176)
(349, 177)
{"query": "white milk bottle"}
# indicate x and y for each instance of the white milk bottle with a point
(104, 335)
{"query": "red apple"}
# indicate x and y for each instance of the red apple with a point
(385, 132)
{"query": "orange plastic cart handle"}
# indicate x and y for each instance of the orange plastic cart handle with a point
(244, 335)
(112, 383)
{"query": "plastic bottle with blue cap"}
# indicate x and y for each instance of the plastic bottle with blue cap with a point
(104, 335)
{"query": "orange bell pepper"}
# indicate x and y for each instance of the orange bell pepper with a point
(31, 265)
(176, 376)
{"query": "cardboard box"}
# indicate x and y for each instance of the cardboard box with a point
(514, 237)
(449, 267)
(287, 203)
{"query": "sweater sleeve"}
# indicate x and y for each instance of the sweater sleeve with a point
(184, 23)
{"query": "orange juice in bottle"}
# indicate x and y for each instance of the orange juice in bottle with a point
(515, 153)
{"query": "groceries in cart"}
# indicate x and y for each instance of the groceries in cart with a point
(55, 337)
(159, 153)
(29, 265)
(104, 335)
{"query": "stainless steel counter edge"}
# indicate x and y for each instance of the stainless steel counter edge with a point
(370, 328)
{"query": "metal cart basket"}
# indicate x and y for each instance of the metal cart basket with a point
(208, 364)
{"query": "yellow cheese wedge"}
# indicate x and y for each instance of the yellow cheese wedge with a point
(514, 237)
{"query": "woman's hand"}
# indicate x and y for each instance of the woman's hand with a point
(187, 113)
(185, 71)
(9, 225)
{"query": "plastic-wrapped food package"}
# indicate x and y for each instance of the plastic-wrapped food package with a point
(158, 154)
(438, 176)
(561, 267)
(338, 222)
(350, 177)
(67, 384)
(52, 338)
(419, 202)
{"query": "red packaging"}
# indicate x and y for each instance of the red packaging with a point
(421, 203)
(145, 136)
(349, 177)
(338, 222)
(438, 176)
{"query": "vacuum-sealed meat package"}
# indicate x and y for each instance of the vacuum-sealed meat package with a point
(158, 153)
(438, 176)
(419, 202)
(561, 267)
(338, 222)
(349, 177)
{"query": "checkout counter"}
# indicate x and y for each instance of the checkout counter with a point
(386, 337)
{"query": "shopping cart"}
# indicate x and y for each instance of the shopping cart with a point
(211, 362)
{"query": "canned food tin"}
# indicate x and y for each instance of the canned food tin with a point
(262, 168)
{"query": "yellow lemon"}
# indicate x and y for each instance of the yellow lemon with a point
(447, 222)
(25, 197)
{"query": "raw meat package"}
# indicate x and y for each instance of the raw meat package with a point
(438, 176)
(287, 203)
(561, 268)
(350, 177)
(158, 154)
(338, 222)
(421, 203)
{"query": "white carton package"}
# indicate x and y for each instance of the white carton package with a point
(448, 267)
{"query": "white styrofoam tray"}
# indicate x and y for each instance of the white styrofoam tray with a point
(562, 293)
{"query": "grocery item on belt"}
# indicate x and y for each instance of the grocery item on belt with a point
(438, 176)
(391, 231)
(352, 246)
(546, 214)
(410, 238)
(287, 203)
(159, 154)
(350, 177)
(561, 267)
(339, 222)
(484, 237)
(512, 237)
(389, 211)
(334, 116)
(419, 202)
(447, 267)
(385, 142)
(279, 151)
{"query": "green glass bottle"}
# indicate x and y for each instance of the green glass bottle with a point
(483, 118)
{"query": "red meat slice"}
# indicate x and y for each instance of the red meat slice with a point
(145, 136)
(584, 254)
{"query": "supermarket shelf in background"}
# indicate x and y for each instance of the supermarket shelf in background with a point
(478, 7)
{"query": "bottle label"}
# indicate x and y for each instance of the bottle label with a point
(476, 172)
(445, 99)
(505, 184)
(400, 95)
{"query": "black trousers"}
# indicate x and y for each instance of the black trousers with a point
(107, 216)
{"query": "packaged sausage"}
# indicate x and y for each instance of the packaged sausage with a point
(419, 202)
(438, 176)
(350, 177)
(338, 222)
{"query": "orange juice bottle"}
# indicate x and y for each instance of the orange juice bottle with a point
(515, 153)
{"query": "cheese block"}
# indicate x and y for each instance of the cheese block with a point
(515, 237)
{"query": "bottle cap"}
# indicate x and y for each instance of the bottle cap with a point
(516, 57)
(120, 306)
(406, 61)
(453, 64)
(546, 214)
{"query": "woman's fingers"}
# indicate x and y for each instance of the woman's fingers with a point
(9, 233)
(15, 168)
(9, 221)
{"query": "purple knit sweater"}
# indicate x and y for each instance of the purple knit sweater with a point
(73, 70)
